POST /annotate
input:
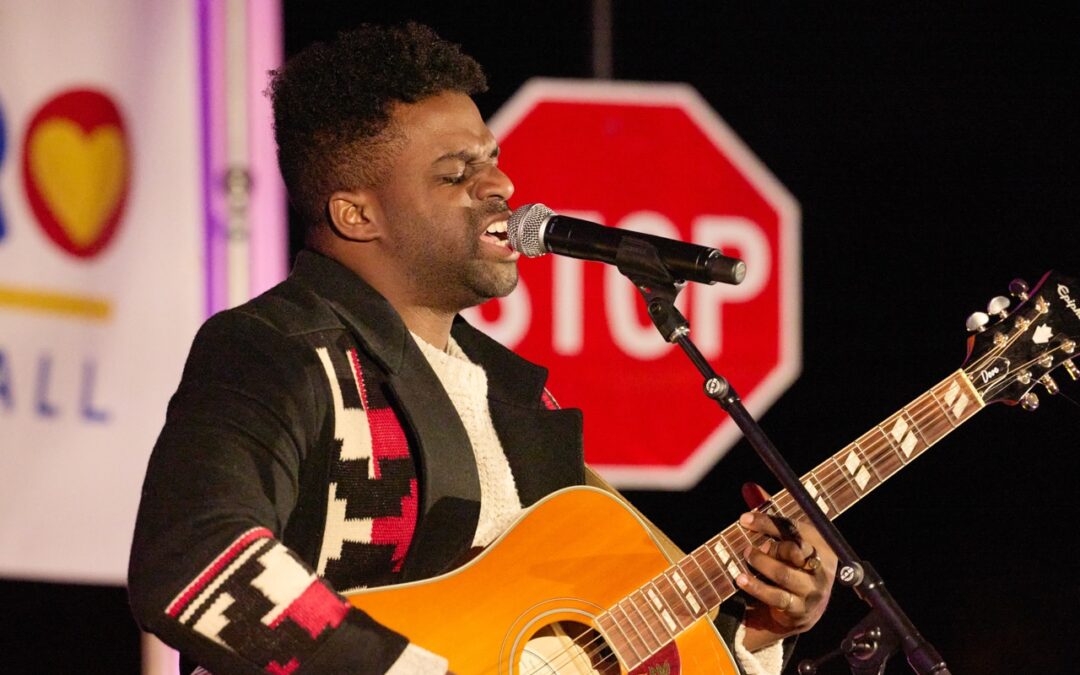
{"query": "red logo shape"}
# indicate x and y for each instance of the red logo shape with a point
(76, 170)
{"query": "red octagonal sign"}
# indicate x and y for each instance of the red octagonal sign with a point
(653, 158)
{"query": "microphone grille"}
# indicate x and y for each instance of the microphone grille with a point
(524, 226)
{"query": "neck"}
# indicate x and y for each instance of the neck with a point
(431, 325)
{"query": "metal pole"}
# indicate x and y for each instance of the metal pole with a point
(601, 40)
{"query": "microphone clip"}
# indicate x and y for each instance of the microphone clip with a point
(639, 261)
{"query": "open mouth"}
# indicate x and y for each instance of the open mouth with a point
(496, 233)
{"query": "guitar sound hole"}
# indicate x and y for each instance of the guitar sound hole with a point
(567, 648)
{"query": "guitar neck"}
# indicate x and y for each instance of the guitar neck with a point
(650, 617)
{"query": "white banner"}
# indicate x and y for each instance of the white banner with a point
(101, 268)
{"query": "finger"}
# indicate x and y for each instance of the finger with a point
(782, 574)
(759, 522)
(821, 549)
(793, 553)
(777, 598)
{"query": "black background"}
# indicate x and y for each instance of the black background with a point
(933, 150)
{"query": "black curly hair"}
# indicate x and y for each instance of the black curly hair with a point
(332, 104)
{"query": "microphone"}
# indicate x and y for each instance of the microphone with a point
(534, 229)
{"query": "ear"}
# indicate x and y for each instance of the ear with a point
(355, 215)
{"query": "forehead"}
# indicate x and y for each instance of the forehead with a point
(442, 124)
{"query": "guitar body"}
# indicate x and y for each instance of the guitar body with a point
(570, 557)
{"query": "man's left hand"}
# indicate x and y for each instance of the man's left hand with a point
(800, 567)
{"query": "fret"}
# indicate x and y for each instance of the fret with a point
(651, 616)
(699, 582)
(857, 470)
(841, 488)
(679, 609)
(687, 591)
(870, 463)
(959, 398)
(890, 439)
(717, 577)
(815, 488)
(729, 561)
(616, 639)
(933, 424)
(633, 636)
(886, 459)
(743, 535)
(663, 611)
(674, 599)
(902, 434)
(936, 394)
(917, 428)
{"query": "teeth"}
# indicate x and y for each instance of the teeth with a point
(497, 227)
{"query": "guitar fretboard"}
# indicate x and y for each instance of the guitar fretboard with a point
(645, 621)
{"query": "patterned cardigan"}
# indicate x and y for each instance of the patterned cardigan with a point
(308, 448)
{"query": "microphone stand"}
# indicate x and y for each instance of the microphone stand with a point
(870, 644)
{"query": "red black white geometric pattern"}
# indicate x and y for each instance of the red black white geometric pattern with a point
(258, 599)
(372, 495)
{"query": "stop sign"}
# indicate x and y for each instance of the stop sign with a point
(652, 158)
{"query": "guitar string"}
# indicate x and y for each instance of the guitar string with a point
(569, 654)
(1010, 339)
(876, 453)
(834, 478)
(584, 650)
(1023, 366)
(927, 416)
(919, 411)
(996, 352)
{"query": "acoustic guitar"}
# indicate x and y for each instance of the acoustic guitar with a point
(578, 585)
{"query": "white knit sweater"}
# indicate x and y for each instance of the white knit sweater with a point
(467, 385)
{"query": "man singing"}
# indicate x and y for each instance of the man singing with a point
(347, 429)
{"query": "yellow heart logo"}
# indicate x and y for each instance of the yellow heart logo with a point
(76, 167)
(81, 175)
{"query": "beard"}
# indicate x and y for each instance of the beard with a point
(449, 273)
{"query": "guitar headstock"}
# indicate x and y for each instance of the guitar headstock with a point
(1009, 357)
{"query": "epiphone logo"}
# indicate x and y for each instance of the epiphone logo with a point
(1063, 293)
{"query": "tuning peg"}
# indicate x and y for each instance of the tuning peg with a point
(1048, 382)
(1071, 369)
(976, 323)
(1029, 402)
(1018, 288)
(997, 306)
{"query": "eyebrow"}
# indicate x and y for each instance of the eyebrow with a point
(466, 156)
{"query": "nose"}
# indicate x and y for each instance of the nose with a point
(495, 184)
